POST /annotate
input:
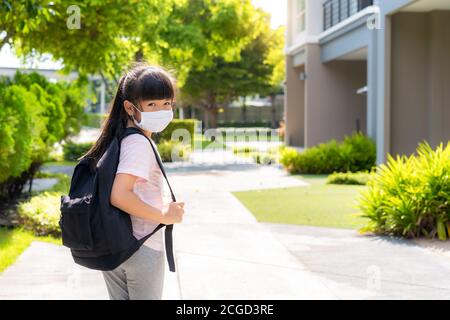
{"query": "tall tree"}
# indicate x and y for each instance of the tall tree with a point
(219, 83)
(108, 36)
(276, 59)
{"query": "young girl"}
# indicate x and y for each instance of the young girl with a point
(144, 100)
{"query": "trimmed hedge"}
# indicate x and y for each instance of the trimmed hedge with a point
(410, 196)
(355, 153)
(351, 178)
(73, 151)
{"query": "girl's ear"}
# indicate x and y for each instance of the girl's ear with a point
(128, 107)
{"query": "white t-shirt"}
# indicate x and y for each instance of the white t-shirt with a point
(137, 158)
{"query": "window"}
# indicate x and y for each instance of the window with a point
(300, 16)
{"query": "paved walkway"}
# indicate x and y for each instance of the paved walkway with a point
(369, 267)
(222, 252)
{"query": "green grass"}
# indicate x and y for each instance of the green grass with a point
(14, 241)
(319, 204)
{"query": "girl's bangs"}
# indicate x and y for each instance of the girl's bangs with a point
(155, 86)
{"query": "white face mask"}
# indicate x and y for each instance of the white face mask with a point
(155, 121)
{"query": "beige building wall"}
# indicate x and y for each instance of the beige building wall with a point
(420, 80)
(332, 105)
(295, 105)
(439, 77)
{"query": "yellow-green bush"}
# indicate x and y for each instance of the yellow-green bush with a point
(351, 178)
(410, 196)
(168, 149)
(355, 153)
(41, 214)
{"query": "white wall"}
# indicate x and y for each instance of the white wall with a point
(314, 22)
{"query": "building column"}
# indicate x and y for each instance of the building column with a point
(372, 86)
(383, 89)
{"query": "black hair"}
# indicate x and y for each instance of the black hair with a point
(142, 82)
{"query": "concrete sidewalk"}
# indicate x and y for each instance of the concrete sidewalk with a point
(222, 252)
(47, 272)
(370, 267)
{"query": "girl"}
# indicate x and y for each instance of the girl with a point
(144, 100)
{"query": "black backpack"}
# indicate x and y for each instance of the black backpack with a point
(100, 235)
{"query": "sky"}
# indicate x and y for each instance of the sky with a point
(276, 8)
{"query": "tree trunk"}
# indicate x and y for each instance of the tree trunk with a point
(244, 110)
(210, 118)
(107, 86)
(273, 111)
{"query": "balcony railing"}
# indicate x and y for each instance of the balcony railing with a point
(335, 11)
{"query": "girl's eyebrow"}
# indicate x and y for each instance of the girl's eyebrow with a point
(165, 100)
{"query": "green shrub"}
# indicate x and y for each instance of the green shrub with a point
(167, 149)
(359, 153)
(41, 214)
(34, 114)
(351, 178)
(21, 130)
(410, 196)
(187, 124)
(73, 151)
(289, 159)
(355, 153)
(94, 120)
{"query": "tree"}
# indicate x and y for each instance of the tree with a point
(217, 84)
(276, 58)
(199, 31)
(108, 38)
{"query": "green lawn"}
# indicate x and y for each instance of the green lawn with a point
(316, 205)
(14, 241)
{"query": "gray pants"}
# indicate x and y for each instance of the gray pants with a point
(141, 277)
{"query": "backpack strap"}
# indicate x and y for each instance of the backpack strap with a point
(169, 228)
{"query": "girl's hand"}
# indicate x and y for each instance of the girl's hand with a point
(173, 213)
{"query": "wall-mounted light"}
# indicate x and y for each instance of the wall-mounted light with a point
(362, 90)
(302, 76)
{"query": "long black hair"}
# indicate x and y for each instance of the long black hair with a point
(142, 82)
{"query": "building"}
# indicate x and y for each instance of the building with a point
(377, 66)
